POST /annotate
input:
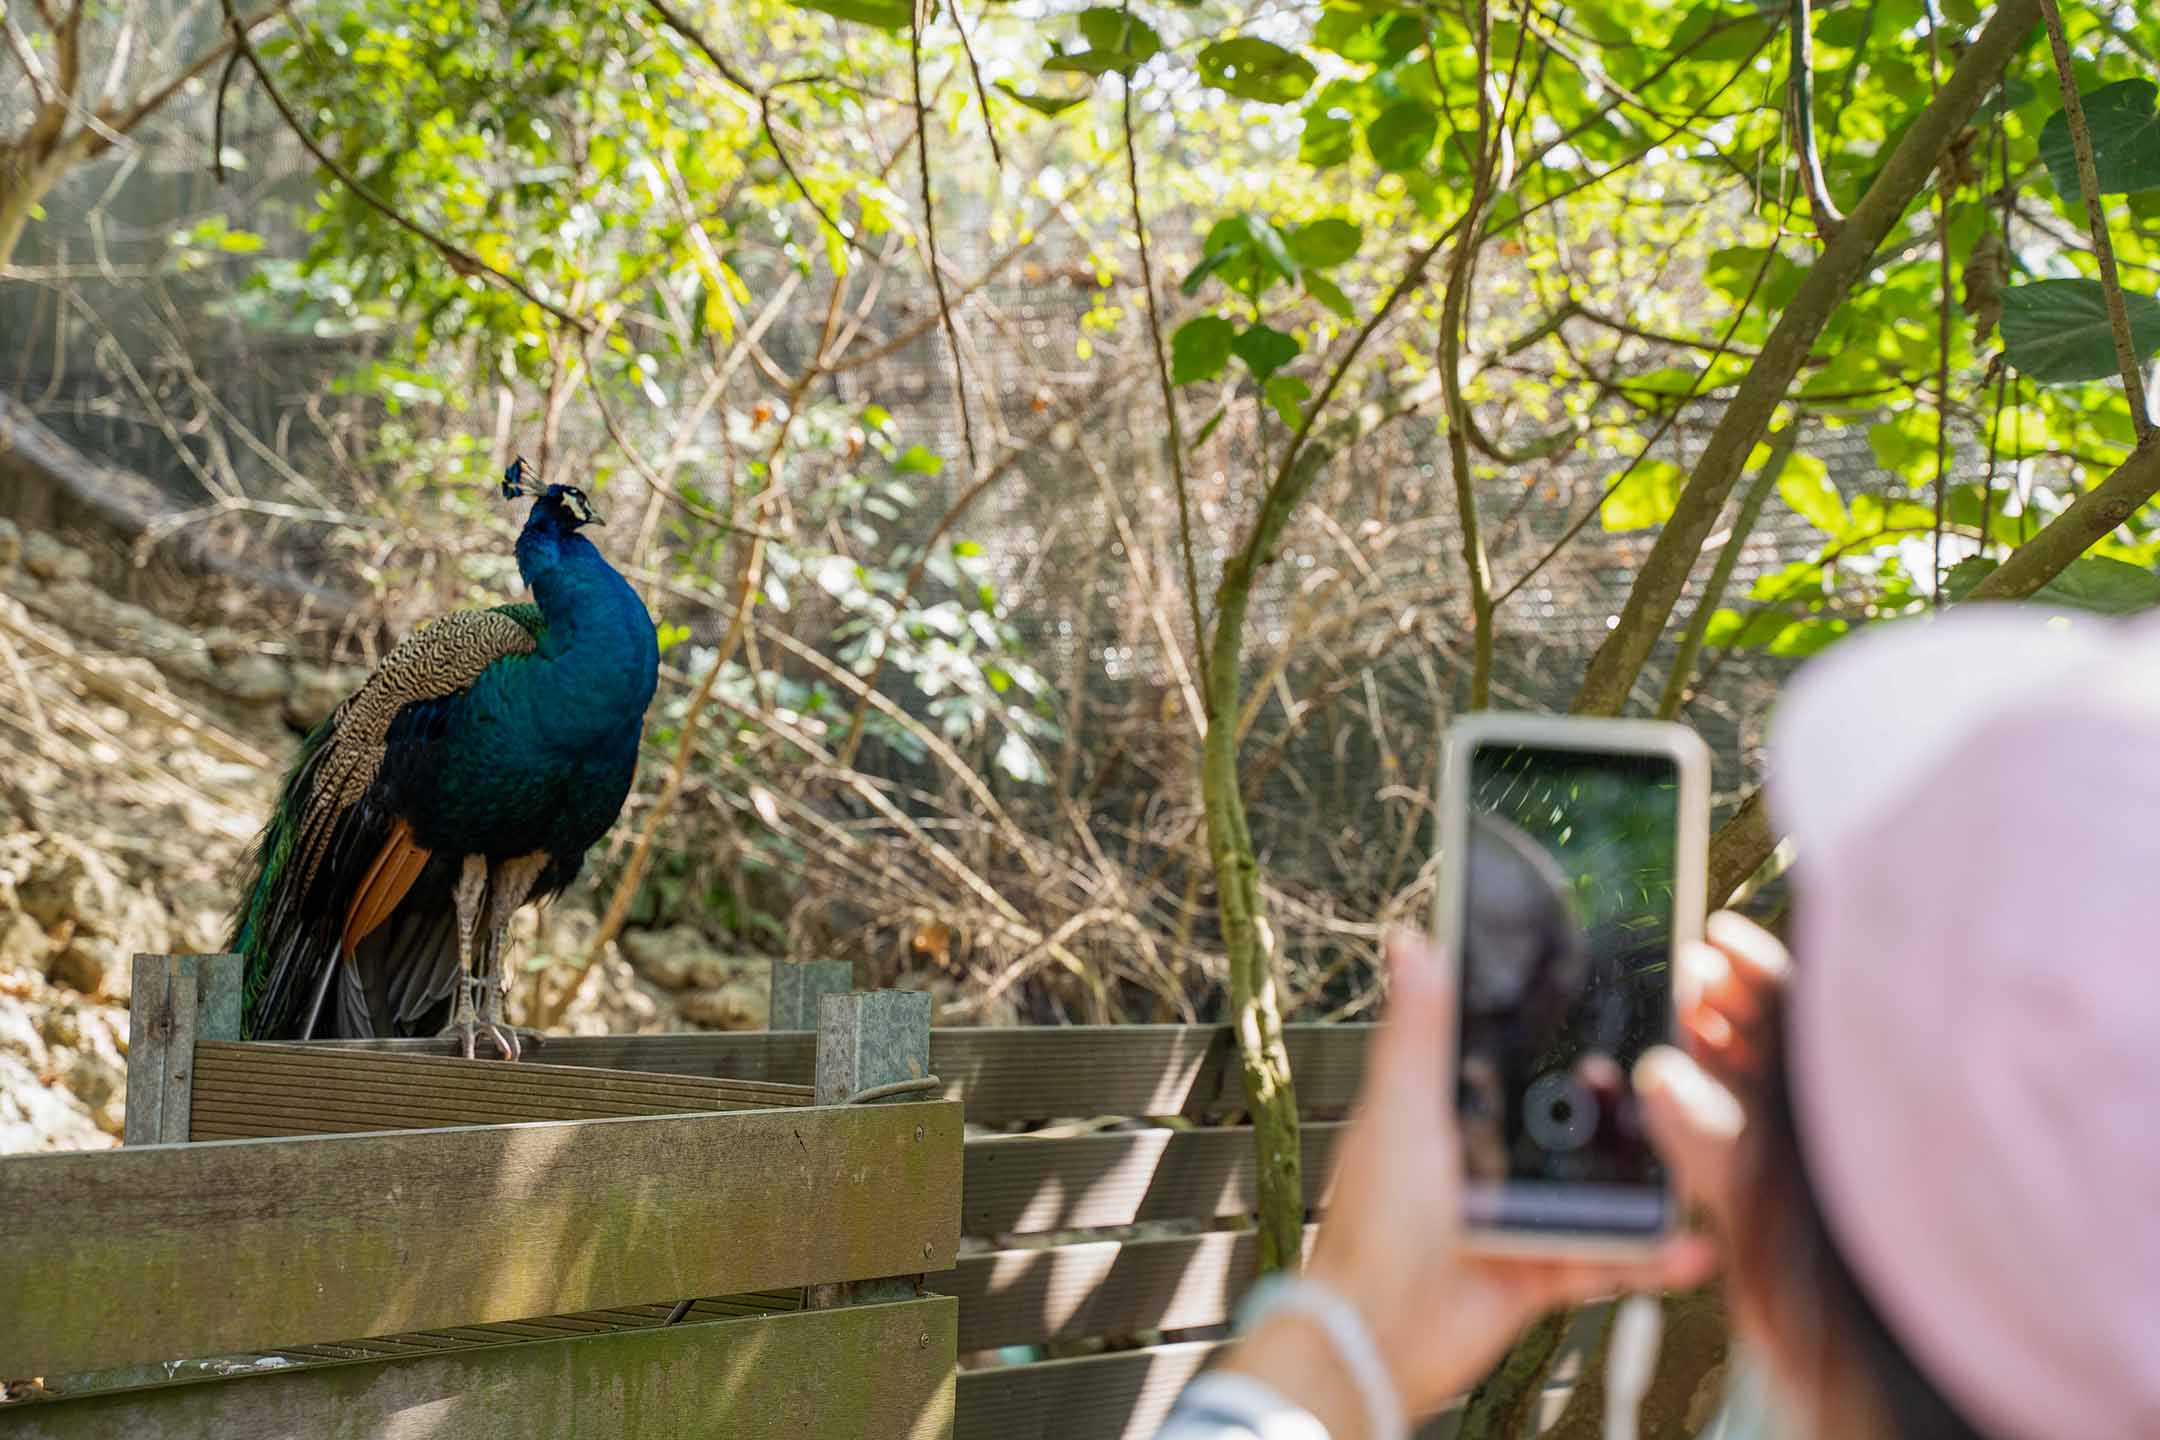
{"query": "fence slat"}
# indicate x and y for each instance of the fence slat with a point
(1121, 1396)
(262, 1090)
(1107, 1287)
(1004, 1074)
(137, 1256)
(864, 1372)
(1018, 1183)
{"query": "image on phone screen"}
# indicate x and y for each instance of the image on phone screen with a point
(1565, 937)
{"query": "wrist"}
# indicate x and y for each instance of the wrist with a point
(1290, 1353)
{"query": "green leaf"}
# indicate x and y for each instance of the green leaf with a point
(670, 635)
(884, 14)
(1401, 135)
(1367, 39)
(1732, 271)
(1802, 638)
(1207, 429)
(1739, 32)
(1327, 140)
(1645, 499)
(1324, 243)
(1265, 349)
(1328, 293)
(2102, 585)
(1042, 104)
(1267, 243)
(1200, 349)
(1117, 40)
(1959, 580)
(2124, 119)
(2057, 331)
(1288, 394)
(1255, 69)
(915, 460)
(1805, 485)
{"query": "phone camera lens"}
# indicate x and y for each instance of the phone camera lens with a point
(1559, 1112)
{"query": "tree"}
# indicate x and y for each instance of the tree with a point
(86, 80)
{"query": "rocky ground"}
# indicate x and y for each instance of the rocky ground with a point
(137, 758)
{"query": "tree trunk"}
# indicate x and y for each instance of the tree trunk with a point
(1255, 1006)
(25, 180)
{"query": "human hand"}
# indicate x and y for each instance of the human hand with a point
(1392, 1241)
(1723, 987)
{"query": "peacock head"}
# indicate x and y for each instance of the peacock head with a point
(563, 506)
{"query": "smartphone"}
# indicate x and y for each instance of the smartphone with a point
(1572, 857)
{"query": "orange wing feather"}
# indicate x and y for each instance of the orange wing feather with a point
(397, 865)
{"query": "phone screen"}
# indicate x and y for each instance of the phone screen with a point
(1566, 945)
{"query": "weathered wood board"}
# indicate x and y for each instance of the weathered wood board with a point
(1020, 1183)
(863, 1372)
(256, 1090)
(1120, 1396)
(1004, 1074)
(1107, 1287)
(138, 1256)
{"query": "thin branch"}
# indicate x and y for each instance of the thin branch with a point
(1828, 219)
(982, 94)
(456, 256)
(1169, 392)
(1454, 308)
(217, 117)
(1945, 298)
(1713, 596)
(929, 218)
(2096, 224)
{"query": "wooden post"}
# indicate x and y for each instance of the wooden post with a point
(176, 1000)
(798, 985)
(868, 1039)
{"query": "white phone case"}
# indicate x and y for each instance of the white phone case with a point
(1691, 759)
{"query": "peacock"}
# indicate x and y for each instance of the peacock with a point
(468, 775)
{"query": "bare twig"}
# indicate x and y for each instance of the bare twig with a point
(2096, 224)
(982, 93)
(1828, 219)
(1176, 447)
(929, 220)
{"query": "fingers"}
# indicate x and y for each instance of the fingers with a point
(1410, 1044)
(1695, 1122)
(1723, 987)
(1676, 1264)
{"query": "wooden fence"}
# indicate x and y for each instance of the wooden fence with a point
(406, 1245)
(636, 1168)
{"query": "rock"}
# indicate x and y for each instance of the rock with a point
(740, 1005)
(94, 1070)
(19, 1033)
(69, 882)
(50, 560)
(11, 543)
(35, 1116)
(95, 966)
(314, 692)
(252, 679)
(680, 958)
(23, 943)
(139, 924)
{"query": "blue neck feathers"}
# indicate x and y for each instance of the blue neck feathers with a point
(594, 623)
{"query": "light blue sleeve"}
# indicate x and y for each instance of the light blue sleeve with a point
(1236, 1407)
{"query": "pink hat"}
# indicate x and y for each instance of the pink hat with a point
(1975, 1016)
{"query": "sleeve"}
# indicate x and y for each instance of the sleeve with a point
(1217, 1406)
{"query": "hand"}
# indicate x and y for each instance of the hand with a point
(1722, 989)
(1392, 1242)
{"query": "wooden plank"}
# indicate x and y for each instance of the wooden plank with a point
(1019, 1183)
(266, 1089)
(137, 1256)
(176, 1001)
(1004, 1074)
(864, 1372)
(1119, 1396)
(1109, 1287)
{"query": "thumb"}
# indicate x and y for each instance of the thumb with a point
(1695, 1123)
(1409, 1049)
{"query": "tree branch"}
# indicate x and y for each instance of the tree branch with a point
(1828, 220)
(1169, 392)
(1612, 671)
(1751, 505)
(456, 256)
(2096, 224)
(929, 220)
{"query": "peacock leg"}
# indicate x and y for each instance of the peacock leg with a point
(514, 880)
(471, 885)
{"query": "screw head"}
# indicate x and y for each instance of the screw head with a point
(918, 1134)
(926, 1249)
(924, 1342)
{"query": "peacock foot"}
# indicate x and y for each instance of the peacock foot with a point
(464, 1022)
(510, 1039)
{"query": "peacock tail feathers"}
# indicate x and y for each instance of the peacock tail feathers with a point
(318, 812)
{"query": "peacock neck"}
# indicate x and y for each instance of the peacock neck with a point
(593, 623)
